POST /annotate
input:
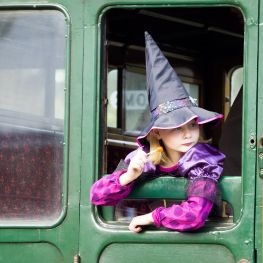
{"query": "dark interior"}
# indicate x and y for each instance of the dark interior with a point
(189, 31)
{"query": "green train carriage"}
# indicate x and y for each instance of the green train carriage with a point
(72, 102)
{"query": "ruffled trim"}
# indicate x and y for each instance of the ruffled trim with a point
(204, 187)
(202, 160)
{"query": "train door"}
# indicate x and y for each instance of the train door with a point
(39, 200)
(203, 41)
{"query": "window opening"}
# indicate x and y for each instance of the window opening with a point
(199, 46)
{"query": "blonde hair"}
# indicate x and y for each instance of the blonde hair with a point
(156, 157)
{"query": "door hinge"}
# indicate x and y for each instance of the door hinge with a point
(76, 259)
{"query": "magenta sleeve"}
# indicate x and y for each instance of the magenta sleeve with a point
(189, 215)
(108, 191)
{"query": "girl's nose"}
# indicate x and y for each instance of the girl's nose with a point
(187, 133)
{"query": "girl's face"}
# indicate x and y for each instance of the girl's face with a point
(179, 140)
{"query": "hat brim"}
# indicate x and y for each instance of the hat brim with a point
(177, 118)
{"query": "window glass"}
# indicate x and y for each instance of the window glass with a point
(32, 76)
(236, 83)
(27, 93)
(136, 102)
(112, 97)
(59, 93)
(193, 90)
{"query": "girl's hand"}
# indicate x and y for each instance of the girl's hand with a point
(135, 168)
(139, 221)
(137, 163)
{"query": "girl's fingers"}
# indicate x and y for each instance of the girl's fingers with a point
(138, 163)
(135, 228)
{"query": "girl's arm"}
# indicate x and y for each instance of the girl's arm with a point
(108, 190)
(189, 215)
(203, 166)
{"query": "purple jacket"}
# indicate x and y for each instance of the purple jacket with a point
(202, 165)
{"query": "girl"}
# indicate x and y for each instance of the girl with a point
(175, 129)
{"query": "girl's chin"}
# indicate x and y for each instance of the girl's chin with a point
(185, 148)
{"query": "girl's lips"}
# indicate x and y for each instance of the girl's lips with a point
(187, 144)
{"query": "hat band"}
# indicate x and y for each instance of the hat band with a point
(173, 105)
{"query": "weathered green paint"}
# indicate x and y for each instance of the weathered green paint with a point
(155, 253)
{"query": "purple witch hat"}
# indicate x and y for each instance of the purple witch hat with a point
(169, 102)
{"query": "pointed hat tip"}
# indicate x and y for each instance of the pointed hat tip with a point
(147, 35)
